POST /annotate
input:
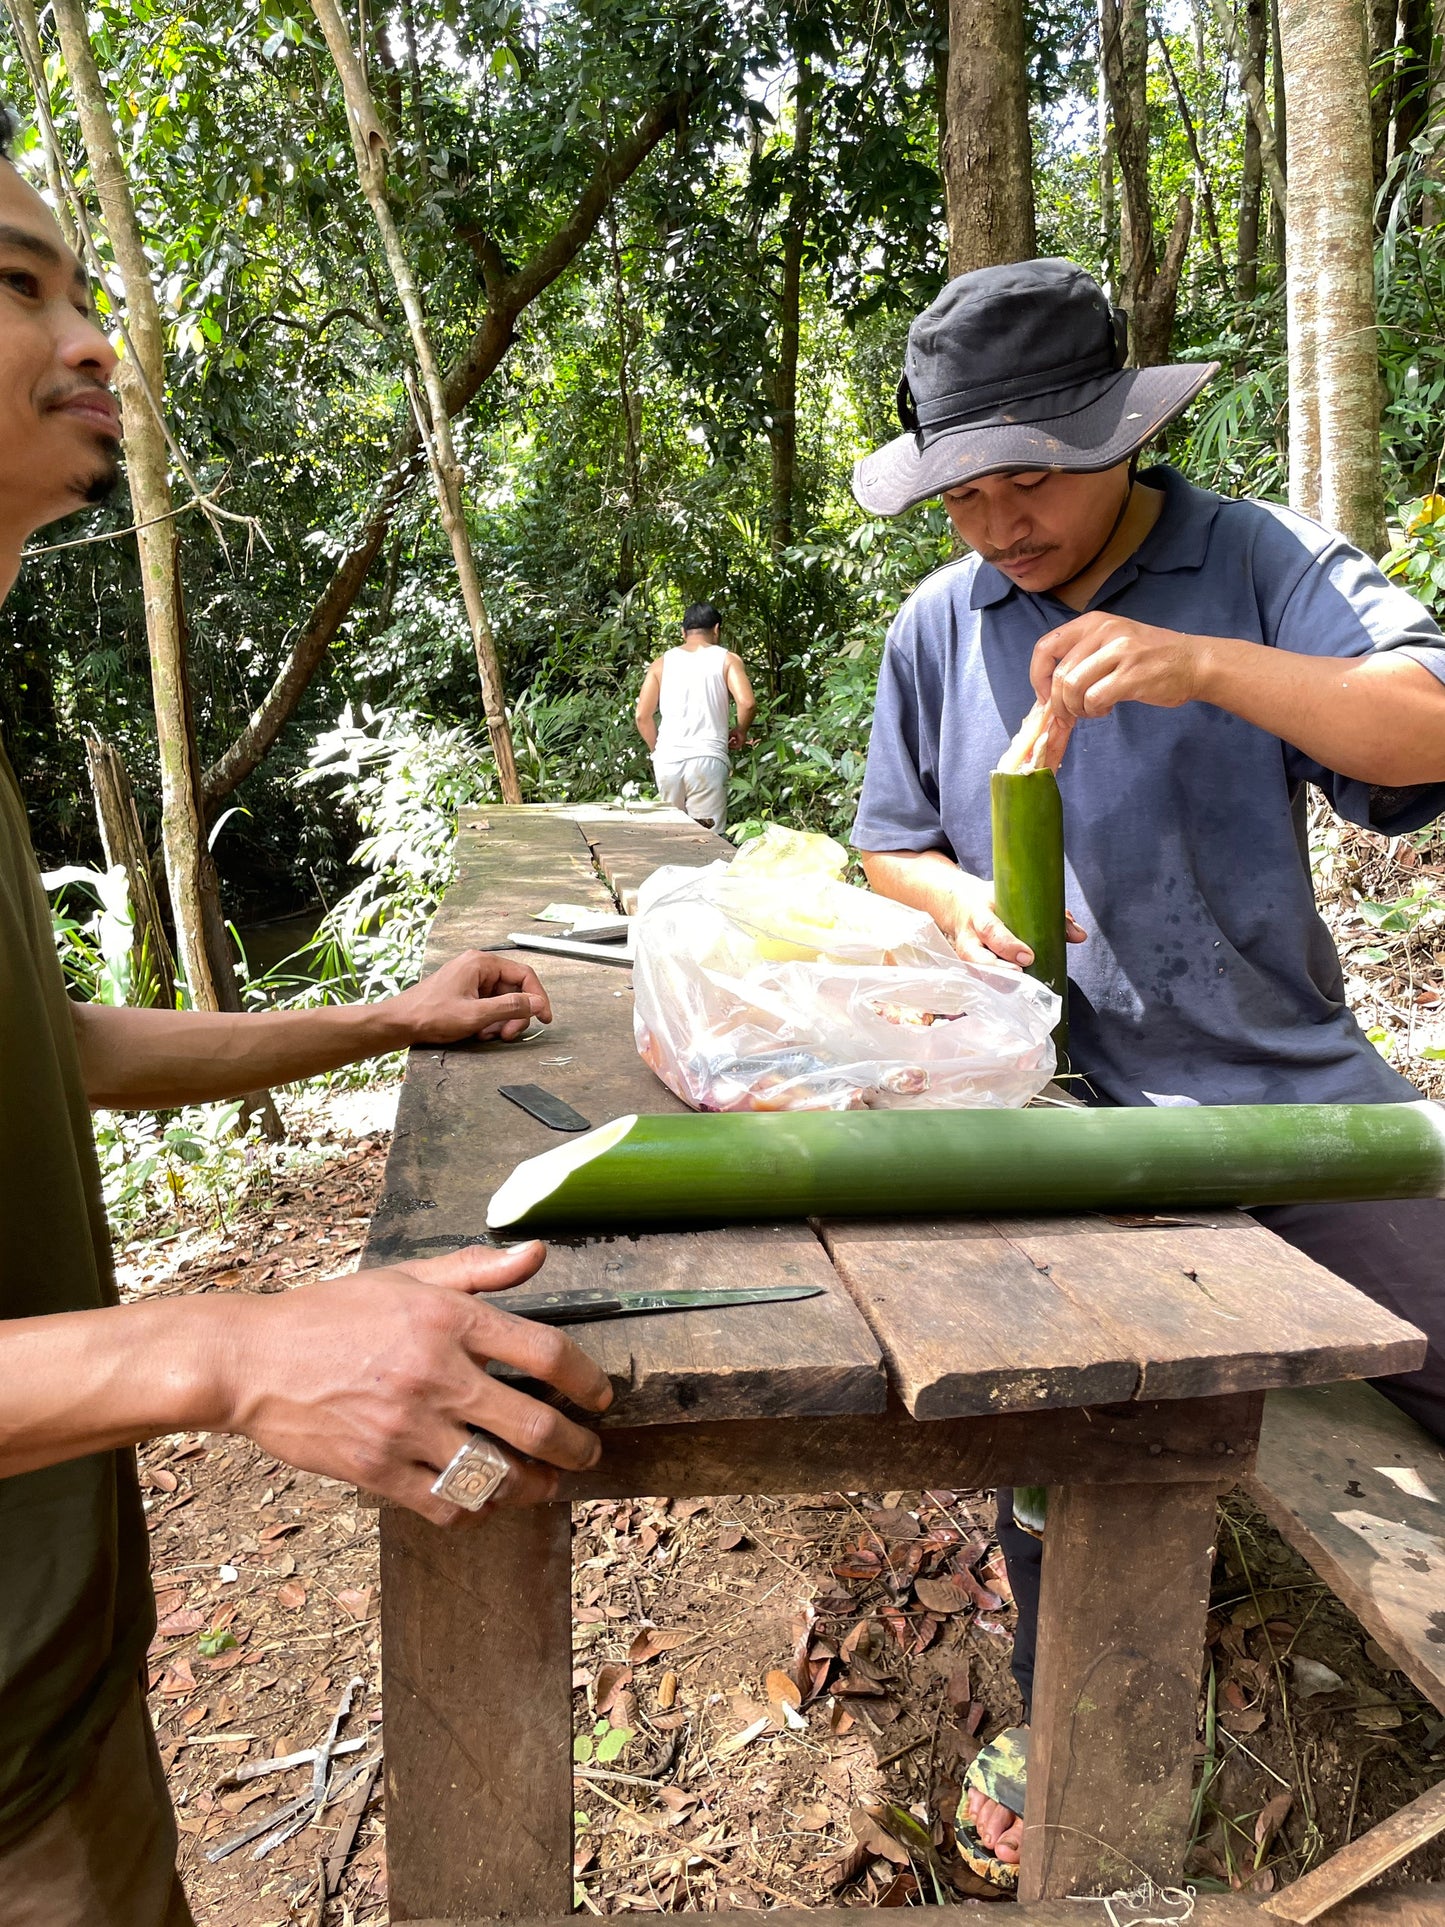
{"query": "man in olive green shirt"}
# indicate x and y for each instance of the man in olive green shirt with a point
(375, 1378)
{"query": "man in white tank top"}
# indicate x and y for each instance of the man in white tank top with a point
(696, 685)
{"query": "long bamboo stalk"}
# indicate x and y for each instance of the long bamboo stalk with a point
(712, 1169)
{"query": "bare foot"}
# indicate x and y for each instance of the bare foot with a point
(999, 1830)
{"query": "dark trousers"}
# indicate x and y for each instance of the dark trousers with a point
(1394, 1252)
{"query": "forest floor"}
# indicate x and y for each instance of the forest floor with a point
(752, 1677)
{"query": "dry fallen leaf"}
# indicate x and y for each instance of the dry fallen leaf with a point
(160, 1478)
(291, 1595)
(611, 1679)
(355, 1600)
(876, 1839)
(941, 1596)
(667, 1691)
(1272, 1816)
(648, 1645)
(780, 1686)
(179, 1623)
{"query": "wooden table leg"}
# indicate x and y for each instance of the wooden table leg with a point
(477, 1671)
(1121, 1642)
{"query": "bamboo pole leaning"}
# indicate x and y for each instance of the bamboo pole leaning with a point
(370, 144)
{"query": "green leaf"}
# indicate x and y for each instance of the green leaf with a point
(209, 1644)
(582, 1749)
(613, 1744)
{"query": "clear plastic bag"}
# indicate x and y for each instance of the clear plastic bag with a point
(769, 984)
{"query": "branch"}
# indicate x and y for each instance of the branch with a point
(313, 330)
(479, 360)
(1211, 220)
(1254, 99)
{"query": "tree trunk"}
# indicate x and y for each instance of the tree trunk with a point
(123, 841)
(1149, 287)
(1104, 134)
(631, 404)
(27, 36)
(1412, 81)
(370, 144)
(1278, 211)
(1334, 366)
(148, 472)
(1251, 177)
(987, 151)
(1201, 168)
(783, 433)
(1381, 23)
(1268, 130)
(509, 293)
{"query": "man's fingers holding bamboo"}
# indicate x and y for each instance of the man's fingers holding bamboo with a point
(1088, 666)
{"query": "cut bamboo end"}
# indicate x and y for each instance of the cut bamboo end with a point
(538, 1178)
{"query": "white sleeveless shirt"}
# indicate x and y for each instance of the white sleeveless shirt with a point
(694, 701)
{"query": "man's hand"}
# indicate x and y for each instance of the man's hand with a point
(478, 994)
(1099, 660)
(375, 1378)
(974, 927)
(737, 739)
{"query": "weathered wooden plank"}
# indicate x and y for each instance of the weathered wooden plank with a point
(977, 1315)
(510, 864)
(1363, 1860)
(1420, 1906)
(969, 1325)
(1125, 1592)
(456, 1139)
(476, 1665)
(1359, 1490)
(1217, 1306)
(1188, 1441)
(627, 852)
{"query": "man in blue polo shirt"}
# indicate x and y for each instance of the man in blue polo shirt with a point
(1212, 659)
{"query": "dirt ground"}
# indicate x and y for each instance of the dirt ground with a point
(755, 1681)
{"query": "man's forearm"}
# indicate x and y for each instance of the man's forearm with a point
(155, 1059)
(923, 879)
(88, 1381)
(647, 730)
(1379, 719)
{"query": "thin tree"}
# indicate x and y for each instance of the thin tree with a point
(986, 147)
(1268, 129)
(783, 413)
(1251, 173)
(1334, 375)
(371, 146)
(1149, 281)
(141, 384)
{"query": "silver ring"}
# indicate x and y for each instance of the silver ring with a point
(475, 1475)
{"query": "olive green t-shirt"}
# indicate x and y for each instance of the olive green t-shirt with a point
(76, 1612)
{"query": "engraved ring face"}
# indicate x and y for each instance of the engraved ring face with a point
(474, 1475)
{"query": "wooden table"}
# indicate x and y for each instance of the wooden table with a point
(1122, 1365)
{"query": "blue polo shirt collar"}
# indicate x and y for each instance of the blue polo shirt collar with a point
(1178, 540)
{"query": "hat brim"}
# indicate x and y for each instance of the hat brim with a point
(1104, 432)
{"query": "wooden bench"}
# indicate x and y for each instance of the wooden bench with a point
(1358, 1489)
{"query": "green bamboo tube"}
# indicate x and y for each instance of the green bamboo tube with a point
(749, 1167)
(1028, 878)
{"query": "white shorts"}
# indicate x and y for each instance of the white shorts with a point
(697, 784)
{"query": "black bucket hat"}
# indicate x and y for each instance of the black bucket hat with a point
(1018, 367)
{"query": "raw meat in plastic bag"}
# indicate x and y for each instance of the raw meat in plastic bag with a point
(770, 984)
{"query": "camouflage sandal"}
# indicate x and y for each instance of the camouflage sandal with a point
(999, 1773)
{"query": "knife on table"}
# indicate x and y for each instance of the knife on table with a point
(585, 1307)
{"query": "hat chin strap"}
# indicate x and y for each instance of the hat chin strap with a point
(1114, 527)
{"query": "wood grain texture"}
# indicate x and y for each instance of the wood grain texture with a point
(627, 851)
(510, 863)
(1019, 1314)
(456, 1139)
(1365, 1859)
(1124, 1595)
(1324, 1477)
(476, 1668)
(1187, 1441)
(1421, 1906)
